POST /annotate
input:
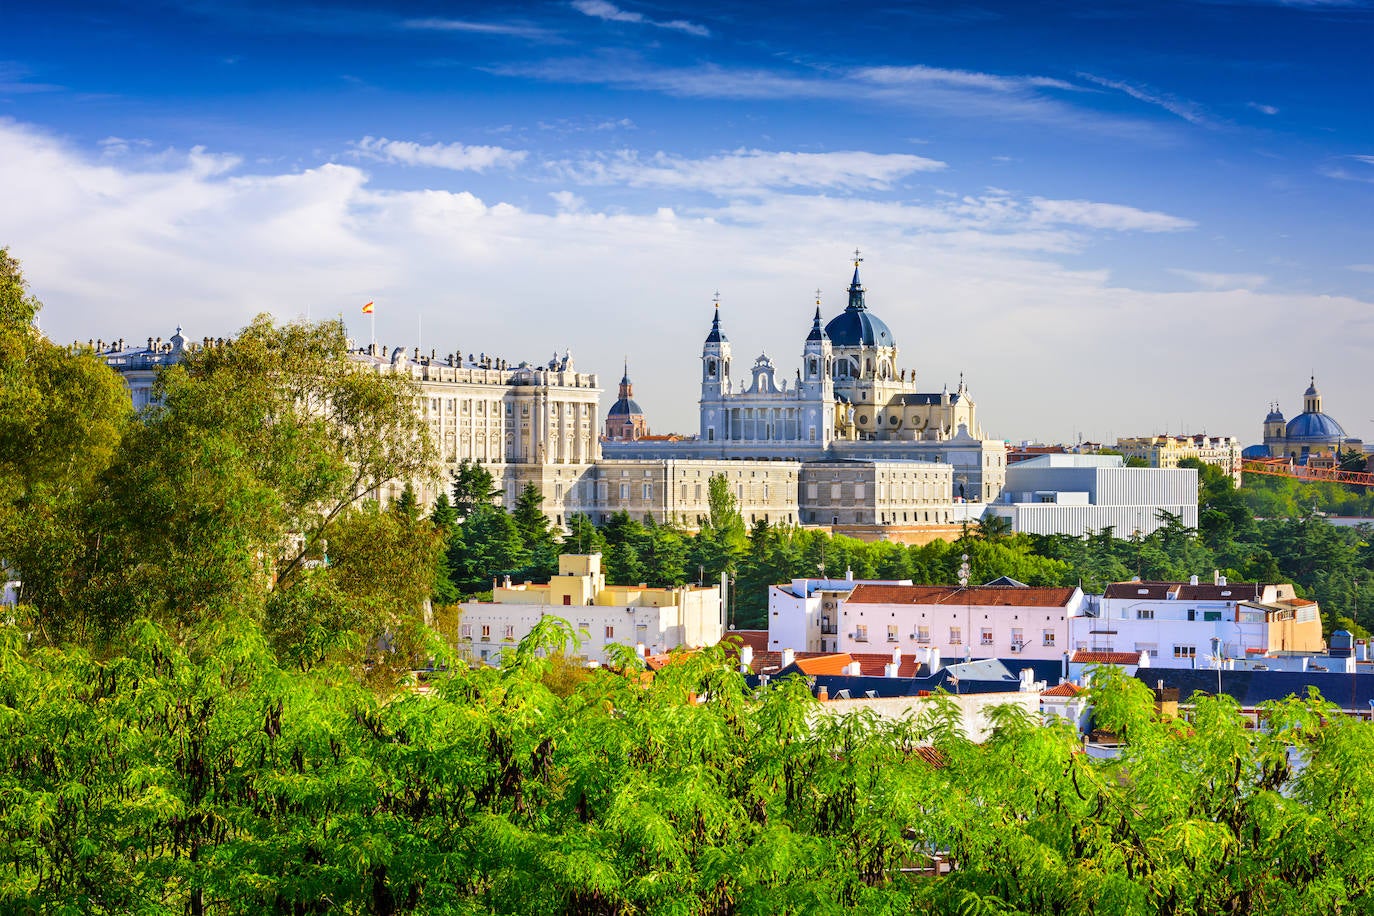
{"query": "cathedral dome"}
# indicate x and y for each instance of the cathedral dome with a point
(1314, 426)
(624, 407)
(856, 326)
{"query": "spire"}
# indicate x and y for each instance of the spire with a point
(625, 377)
(817, 332)
(856, 290)
(716, 336)
(626, 388)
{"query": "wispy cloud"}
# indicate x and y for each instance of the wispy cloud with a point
(1219, 281)
(1189, 111)
(1361, 268)
(601, 9)
(1114, 217)
(14, 80)
(1359, 173)
(1262, 109)
(750, 170)
(455, 156)
(961, 79)
(511, 29)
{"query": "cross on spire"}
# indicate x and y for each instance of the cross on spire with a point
(857, 257)
(818, 295)
(716, 298)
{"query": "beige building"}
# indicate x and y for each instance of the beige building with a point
(1168, 451)
(656, 619)
(678, 491)
(525, 424)
(857, 492)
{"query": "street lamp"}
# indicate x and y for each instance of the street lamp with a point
(1216, 657)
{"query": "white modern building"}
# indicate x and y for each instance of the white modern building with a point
(1193, 624)
(656, 619)
(1076, 494)
(991, 621)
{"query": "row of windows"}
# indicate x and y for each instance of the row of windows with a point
(956, 635)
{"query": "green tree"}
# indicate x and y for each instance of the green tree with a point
(472, 485)
(536, 532)
(63, 413)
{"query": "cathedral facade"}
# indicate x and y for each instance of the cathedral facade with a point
(850, 400)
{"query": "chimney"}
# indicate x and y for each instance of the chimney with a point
(1221, 580)
(1216, 577)
(1027, 680)
(746, 659)
(854, 669)
(639, 651)
(934, 659)
(822, 693)
(788, 657)
(849, 574)
(896, 655)
(1192, 580)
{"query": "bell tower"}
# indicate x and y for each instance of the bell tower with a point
(715, 379)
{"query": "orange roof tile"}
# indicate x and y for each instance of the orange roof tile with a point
(1083, 657)
(824, 664)
(1066, 689)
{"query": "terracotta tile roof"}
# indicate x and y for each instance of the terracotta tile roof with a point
(983, 596)
(754, 639)
(1084, 657)
(1182, 591)
(823, 664)
(874, 664)
(1066, 689)
(932, 756)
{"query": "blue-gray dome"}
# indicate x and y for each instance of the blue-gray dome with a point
(1314, 426)
(856, 326)
(1275, 416)
(624, 407)
(1255, 451)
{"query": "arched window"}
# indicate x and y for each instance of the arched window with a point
(710, 368)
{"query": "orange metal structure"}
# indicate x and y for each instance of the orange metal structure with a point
(1282, 467)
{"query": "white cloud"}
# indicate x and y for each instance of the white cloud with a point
(1189, 111)
(455, 156)
(750, 171)
(601, 9)
(1218, 281)
(1115, 217)
(131, 247)
(963, 79)
(511, 29)
(1262, 109)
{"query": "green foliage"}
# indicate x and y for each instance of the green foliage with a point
(208, 778)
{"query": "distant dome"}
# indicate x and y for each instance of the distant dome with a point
(1314, 426)
(1275, 416)
(1255, 451)
(624, 407)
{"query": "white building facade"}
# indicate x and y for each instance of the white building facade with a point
(1075, 494)
(1192, 624)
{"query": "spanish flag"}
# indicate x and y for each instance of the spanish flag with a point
(367, 309)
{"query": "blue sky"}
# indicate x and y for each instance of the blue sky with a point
(1114, 218)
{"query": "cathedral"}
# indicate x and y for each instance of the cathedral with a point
(849, 389)
(1312, 434)
(850, 400)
